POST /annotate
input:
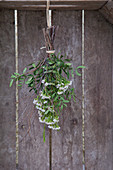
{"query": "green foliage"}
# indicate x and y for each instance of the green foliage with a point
(11, 82)
(76, 70)
(49, 79)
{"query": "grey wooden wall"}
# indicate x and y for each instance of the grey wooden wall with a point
(67, 143)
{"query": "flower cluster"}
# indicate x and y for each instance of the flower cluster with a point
(46, 105)
(63, 87)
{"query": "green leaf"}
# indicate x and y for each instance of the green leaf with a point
(35, 91)
(68, 60)
(58, 54)
(20, 85)
(68, 74)
(47, 112)
(31, 68)
(11, 82)
(76, 70)
(13, 76)
(60, 71)
(61, 56)
(56, 98)
(17, 74)
(58, 62)
(65, 105)
(70, 97)
(61, 107)
(66, 101)
(72, 73)
(51, 62)
(54, 71)
(36, 72)
(74, 99)
(24, 70)
(30, 90)
(33, 65)
(59, 104)
(30, 75)
(28, 81)
(53, 95)
(65, 71)
(72, 89)
(44, 134)
(68, 64)
(30, 64)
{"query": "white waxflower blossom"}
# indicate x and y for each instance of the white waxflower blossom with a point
(38, 104)
(39, 113)
(34, 101)
(49, 123)
(60, 92)
(61, 88)
(70, 83)
(41, 94)
(43, 81)
(45, 97)
(40, 109)
(58, 85)
(41, 121)
(56, 128)
(45, 102)
(55, 120)
(66, 87)
(50, 127)
(46, 84)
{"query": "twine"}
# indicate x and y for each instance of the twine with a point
(50, 51)
(47, 13)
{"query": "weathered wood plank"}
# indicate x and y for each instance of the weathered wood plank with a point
(67, 143)
(107, 11)
(7, 95)
(33, 153)
(55, 4)
(98, 92)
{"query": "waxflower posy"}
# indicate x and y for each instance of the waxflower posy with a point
(52, 88)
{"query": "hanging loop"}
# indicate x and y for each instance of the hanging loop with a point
(48, 14)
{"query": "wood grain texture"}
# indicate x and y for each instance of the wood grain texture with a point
(55, 4)
(67, 143)
(107, 11)
(7, 95)
(33, 153)
(98, 92)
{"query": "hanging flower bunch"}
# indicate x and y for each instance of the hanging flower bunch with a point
(51, 80)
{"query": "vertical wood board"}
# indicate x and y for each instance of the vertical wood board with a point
(7, 95)
(33, 153)
(98, 92)
(67, 143)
